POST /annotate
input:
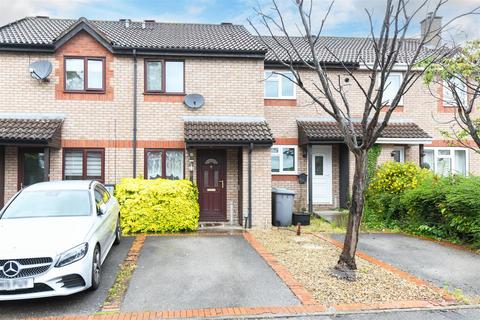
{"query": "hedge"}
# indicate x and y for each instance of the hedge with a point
(405, 197)
(158, 205)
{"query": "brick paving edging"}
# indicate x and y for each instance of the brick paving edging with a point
(305, 297)
(130, 261)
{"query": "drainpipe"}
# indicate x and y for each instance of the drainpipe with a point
(250, 150)
(310, 178)
(134, 142)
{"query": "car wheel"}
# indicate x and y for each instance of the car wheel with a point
(118, 232)
(96, 269)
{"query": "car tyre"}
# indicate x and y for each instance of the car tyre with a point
(96, 269)
(118, 233)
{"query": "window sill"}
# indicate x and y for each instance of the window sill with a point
(277, 102)
(85, 92)
(399, 108)
(285, 177)
(292, 173)
(164, 94)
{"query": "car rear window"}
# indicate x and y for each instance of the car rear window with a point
(49, 203)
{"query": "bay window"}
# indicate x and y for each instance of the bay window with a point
(164, 163)
(83, 164)
(446, 161)
(284, 159)
(279, 85)
(164, 76)
(84, 74)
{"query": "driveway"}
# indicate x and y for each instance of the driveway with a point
(191, 272)
(444, 266)
(81, 303)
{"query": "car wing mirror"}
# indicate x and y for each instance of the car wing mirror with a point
(102, 209)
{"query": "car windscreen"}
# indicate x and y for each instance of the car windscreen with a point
(49, 203)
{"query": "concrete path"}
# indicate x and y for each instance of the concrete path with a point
(178, 273)
(80, 303)
(458, 314)
(425, 259)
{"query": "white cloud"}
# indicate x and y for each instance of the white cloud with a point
(348, 17)
(17, 9)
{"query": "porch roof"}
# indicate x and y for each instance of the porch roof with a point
(227, 131)
(30, 131)
(328, 131)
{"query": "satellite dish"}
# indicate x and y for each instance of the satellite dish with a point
(40, 70)
(194, 100)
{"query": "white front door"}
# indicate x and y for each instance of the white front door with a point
(322, 174)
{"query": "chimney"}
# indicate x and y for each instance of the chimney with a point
(126, 22)
(434, 36)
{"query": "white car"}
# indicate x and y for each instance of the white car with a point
(54, 237)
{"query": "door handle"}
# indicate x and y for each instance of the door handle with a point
(221, 181)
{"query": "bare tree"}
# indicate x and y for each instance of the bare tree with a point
(458, 77)
(388, 42)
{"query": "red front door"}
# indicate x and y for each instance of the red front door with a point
(212, 187)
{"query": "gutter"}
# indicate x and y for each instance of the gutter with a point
(49, 48)
(134, 140)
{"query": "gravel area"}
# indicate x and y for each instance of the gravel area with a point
(310, 261)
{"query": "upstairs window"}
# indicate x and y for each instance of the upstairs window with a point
(164, 163)
(83, 164)
(448, 95)
(392, 85)
(279, 85)
(164, 76)
(84, 74)
(284, 159)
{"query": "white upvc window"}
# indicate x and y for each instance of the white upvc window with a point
(447, 161)
(392, 85)
(277, 85)
(460, 88)
(284, 159)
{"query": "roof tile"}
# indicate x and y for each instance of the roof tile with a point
(29, 130)
(329, 131)
(219, 132)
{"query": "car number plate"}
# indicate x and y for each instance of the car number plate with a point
(16, 284)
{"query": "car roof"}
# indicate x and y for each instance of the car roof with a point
(62, 185)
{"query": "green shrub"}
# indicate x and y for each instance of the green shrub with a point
(391, 180)
(461, 209)
(157, 205)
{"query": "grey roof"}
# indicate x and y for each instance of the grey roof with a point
(227, 132)
(30, 131)
(309, 131)
(330, 50)
(42, 31)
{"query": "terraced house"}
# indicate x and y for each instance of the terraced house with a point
(114, 105)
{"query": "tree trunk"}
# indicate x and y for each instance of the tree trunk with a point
(347, 258)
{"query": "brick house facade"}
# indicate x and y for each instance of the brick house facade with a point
(125, 127)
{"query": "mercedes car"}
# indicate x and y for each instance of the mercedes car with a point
(54, 238)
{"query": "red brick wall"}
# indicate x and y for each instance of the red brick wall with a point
(83, 45)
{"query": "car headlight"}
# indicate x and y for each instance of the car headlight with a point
(72, 255)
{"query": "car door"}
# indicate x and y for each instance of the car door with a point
(102, 231)
(111, 213)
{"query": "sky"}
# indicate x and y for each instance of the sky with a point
(347, 18)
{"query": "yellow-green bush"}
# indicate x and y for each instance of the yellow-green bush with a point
(158, 205)
(395, 177)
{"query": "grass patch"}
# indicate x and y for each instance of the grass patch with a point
(318, 224)
(117, 291)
